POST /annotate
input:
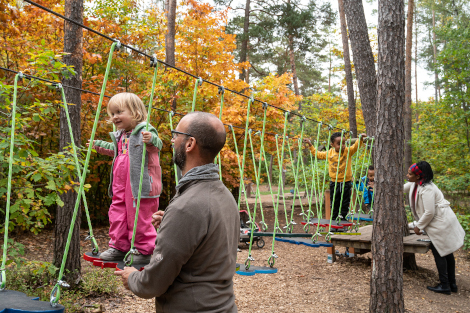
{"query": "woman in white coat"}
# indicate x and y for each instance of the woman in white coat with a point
(433, 214)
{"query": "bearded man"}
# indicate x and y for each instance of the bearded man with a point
(192, 266)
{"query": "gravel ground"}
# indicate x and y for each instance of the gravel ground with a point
(305, 282)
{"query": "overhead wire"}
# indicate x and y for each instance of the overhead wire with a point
(167, 64)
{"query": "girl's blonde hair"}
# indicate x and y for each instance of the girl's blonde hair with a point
(130, 101)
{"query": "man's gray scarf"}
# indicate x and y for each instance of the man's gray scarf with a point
(207, 171)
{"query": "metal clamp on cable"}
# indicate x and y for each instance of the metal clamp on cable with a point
(264, 225)
(58, 86)
(221, 90)
(153, 62)
(230, 127)
(248, 262)
(55, 294)
(250, 131)
(265, 105)
(129, 258)
(199, 81)
(118, 45)
(330, 127)
(272, 259)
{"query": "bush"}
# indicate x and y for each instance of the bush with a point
(38, 278)
(465, 222)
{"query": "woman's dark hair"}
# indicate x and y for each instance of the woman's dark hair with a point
(334, 136)
(425, 167)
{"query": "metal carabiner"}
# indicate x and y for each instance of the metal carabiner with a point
(248, 262)
(272, 259)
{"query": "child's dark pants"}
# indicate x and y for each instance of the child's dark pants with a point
(337, 198)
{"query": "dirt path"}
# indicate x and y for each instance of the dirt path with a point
(305, 282)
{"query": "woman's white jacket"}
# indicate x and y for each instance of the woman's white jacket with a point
(435, 216)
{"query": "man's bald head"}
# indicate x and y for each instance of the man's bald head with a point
(209, 132)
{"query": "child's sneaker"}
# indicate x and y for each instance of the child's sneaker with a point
(139, 258)
(112, 254)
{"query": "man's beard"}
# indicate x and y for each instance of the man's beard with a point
(179, 157)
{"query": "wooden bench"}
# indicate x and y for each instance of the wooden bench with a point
(362, 243)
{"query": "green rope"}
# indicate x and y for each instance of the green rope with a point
(322, 191)
(355, 188)
(79, 174)
(3, 279)
(281, 168)
(170, 117)
(198, 83)
(295, 170)
(336, 182)
(219, 159)
(129, 258)
(338, 218)
(313, 190)
(242, 183)
(273, 257)
(55, 294)
(242, 170)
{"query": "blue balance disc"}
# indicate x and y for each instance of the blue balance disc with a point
(17, 302)
(362, 217)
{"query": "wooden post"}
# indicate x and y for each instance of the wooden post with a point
(327, 204)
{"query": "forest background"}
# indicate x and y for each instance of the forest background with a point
(284, 56)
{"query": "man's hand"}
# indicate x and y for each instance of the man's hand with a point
(362, 136)
(417, 231)
(157, 218)
(146, 137)
(307, 141)
(125, 275)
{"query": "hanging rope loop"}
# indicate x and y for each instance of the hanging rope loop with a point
(153, 62)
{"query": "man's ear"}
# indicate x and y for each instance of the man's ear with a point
(190, 144)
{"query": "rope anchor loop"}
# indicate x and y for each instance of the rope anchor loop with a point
(153, 62)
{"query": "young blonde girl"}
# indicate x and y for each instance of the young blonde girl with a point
(129, 115)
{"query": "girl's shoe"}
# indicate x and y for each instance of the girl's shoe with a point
(139, 258)
(112, 254)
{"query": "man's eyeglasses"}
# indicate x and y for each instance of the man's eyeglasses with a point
(175, 133)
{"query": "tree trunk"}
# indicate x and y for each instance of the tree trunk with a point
(416, 70)
(348, 71)
(171, 33)
(386, 283)
(245, 39)
(434, 52)
(292, 66)
(73, 44)
(407, 117)
(363, 61)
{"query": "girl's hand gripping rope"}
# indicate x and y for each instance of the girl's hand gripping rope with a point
(146, 137)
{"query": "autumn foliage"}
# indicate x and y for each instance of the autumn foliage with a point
(32, 42)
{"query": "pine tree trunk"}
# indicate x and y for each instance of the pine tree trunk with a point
(416, 71)
(348, 71)
(386, 283)
(407, 117)
(363, 61)
(73, 44)
(171, 33)
(292, 66)
(246, 38)
(434, 52)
